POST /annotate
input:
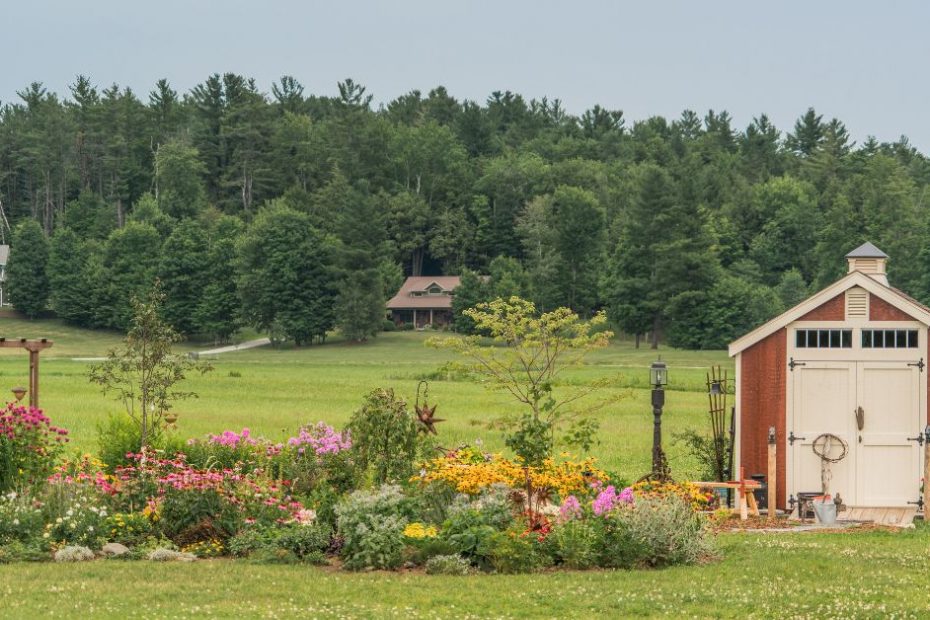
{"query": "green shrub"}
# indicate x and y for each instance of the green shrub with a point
(513, 552)
(371, 524)
(448, 565)
(469, 534)
(127, 528)
(388, 326)
(18, 551)
(20, 518)
(252, 539)
(306, 541)
(662, 531)
(577, 543)
(117, 437)
(190, 515)
(384, 436)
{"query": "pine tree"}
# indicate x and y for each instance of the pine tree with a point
(69, 278)
(26, 272)
(219, 311)
(360, 306)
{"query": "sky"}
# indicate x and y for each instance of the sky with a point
(865, 63)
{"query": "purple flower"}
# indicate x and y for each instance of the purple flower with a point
(608, 499)
(570, 509)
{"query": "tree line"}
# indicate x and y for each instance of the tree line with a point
(297, 213)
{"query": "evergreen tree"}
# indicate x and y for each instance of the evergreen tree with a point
(69, 278)
(219, 310)
(471, 291)
(127, 270)
(184, 271)
(579, 224)
(178, 172)
(791, 289)
(287, 282)
(360, 305)
(27, 277)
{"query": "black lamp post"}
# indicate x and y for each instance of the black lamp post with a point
(658, 377)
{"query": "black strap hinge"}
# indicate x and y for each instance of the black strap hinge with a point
(792, 364)
(792, 438)
(919, 364)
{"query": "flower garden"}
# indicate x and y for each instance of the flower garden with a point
(322, 497)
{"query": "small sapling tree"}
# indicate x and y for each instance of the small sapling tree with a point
(524, 355)
(143, 373)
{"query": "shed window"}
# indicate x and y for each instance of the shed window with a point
(823, 338)
(889, 338)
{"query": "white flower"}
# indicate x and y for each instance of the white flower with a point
(45, 535)
(70, 512)
(15, 521)
(58, 520)
(90, 528)
(73, 525)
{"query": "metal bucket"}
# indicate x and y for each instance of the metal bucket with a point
(825, 510)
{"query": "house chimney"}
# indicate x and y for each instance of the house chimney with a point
(869, 260)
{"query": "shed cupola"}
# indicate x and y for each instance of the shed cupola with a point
(869, 260)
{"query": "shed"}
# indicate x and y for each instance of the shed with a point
(851, 361)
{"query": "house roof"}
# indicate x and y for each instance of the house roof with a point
(893, 296)
(867, 250)
(405, 298)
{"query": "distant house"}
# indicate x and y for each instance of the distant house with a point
(424, 300)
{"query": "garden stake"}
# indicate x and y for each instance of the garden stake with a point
(773, 473)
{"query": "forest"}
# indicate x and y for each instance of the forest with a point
(297, 213)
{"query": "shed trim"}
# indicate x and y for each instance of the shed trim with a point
(856, 278)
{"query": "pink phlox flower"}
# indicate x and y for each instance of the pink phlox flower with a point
(570, 509)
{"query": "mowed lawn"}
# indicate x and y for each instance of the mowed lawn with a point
(866, 575)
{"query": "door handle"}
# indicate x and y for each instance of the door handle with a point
(860, 417)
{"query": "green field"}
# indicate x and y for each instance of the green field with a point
(272, 391)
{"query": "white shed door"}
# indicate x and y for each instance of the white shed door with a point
(882, 466)
(824, 401)
(887, 462)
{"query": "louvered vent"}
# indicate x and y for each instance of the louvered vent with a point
(867, 265)
(857, 303)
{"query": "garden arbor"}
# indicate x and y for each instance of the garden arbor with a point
(34, 347)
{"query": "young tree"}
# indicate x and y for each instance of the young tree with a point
(287, 282)
(527, 354)
(26, 271)
(144, 372)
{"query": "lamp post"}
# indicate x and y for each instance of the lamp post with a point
(658, 377)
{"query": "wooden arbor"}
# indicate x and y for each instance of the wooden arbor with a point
(34, 347)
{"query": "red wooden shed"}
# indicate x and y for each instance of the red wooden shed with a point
(849, 361)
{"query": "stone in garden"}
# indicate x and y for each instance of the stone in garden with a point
(74, 553)
(114, 550)
(170, 555)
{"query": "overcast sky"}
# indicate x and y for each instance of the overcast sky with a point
(863, 62)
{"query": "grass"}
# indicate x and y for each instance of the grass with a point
(273, 391)
(864, 575)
